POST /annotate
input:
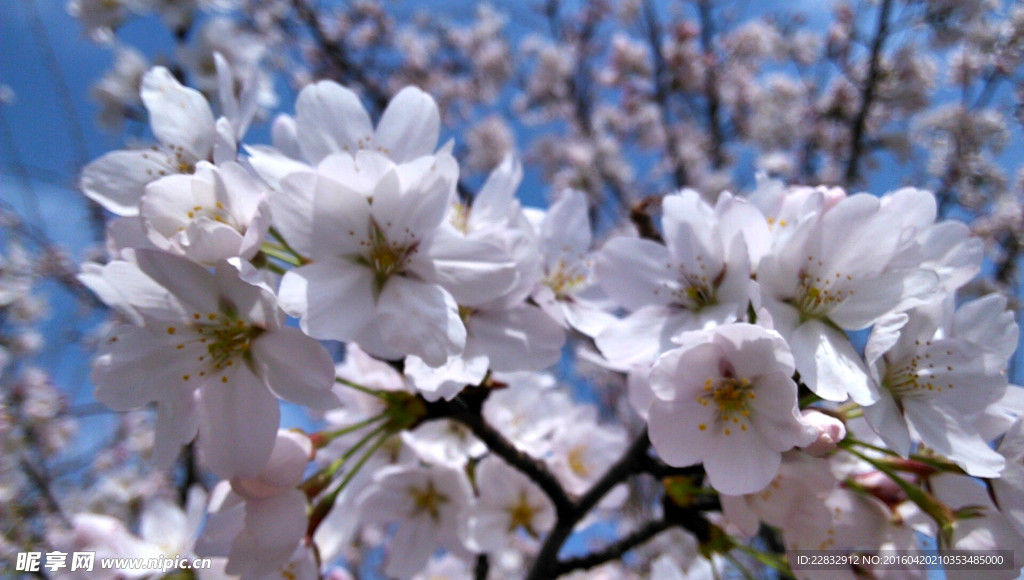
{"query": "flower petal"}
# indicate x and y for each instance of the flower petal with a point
(296, 368)
(179, 115)
(409, 127)
(238, 422)
(330, 119)
(419, 318)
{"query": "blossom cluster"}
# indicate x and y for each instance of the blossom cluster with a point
(671, 371)
(733, 322)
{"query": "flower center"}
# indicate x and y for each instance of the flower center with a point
(225, 338)
(387, 258)
(697, 289)
(460, 217)
(565, 278)
(427, 501)
(819, 294)
(577, 461)
(731, 397)
(521, 514)
(916, 377)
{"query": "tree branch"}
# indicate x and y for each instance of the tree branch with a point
(536, 470)
(857, 144)
(661, 94)
(707, 36)
(338, 55)
(547, 560)
(615, 550)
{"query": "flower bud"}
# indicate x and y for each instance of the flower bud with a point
(821, 432)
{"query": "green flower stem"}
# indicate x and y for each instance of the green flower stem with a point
(928, 503)
(280, 253)
(361, 388)
(323, 507)
(320, 480)
(288, 247)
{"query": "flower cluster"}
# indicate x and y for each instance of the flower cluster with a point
(357, 350)
(731, 320)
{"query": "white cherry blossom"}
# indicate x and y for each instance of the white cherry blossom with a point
(728, 401)
(386, 272)
(184, 127)
(431, 505)
(508, 502)
(842, 268)
(938, 383)
(258, 521)
(698, 279)
(212, 351)
(214, 214)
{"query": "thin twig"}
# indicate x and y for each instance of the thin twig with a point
(615, 550)
(857, 141)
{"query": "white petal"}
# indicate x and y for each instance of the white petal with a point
(411, 546)
(210, 242)
(191, 284)
(292, 208)
(333, 297)
(566, 227)
(136, 366)
(883, 337)
(643, 335)
(330, 119)
(519, 339)
(278, 523)
(179, 115)
(409, 127)
(829, 365)
(122, 286)
(177, 423)
(284, 136)
(410, 202)
(447, 380)
(238, 424)
(738, 463)
(420, 318)
(886, 419)
(951, 435)
(494, 201)
(635, 272)
(296, 368)
(118, 179)
(675, 432)
(473, 271)
(341, 221)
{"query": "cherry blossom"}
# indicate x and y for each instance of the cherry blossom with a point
(729, 402)
(380, 238)
(212, 351)
(431, 505)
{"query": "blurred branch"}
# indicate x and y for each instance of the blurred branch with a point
(615, 550)
(857, 138)
(661, 95)
(628, 464)
(338, 54)
(707, 37)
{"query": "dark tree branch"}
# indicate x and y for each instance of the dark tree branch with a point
(482, 567)
(857, 138)
(616, 550)
(707, 37)
(661, 94)
(628, 464)
(533, 468)
(339, 57)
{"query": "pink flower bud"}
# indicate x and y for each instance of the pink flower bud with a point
(821, 432)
